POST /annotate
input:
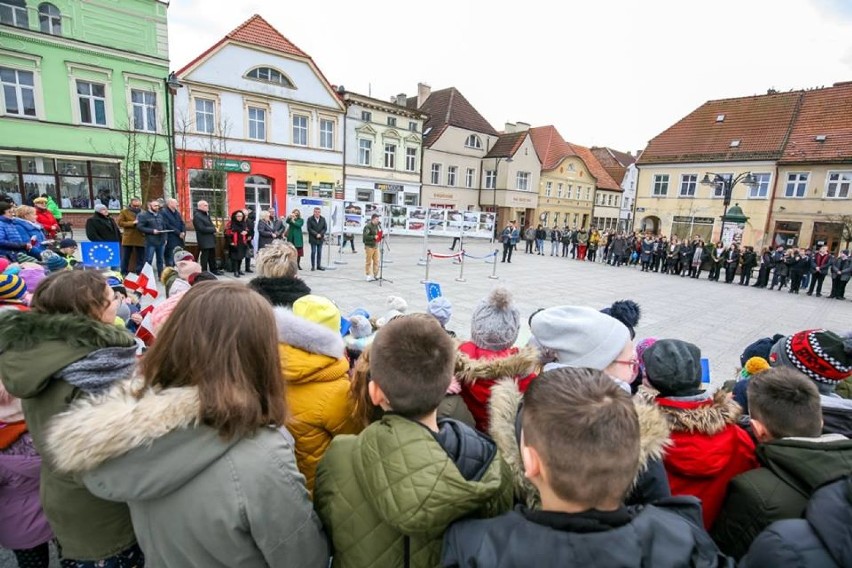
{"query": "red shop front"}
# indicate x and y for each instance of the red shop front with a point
(229, 183)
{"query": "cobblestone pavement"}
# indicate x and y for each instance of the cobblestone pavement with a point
(719, 318)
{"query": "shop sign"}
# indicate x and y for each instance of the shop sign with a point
(221, 165)
(389, 187)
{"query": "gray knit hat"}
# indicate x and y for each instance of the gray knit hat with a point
(673, 367)
(579, 336)
(495, 322)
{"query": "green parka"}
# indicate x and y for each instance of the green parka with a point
(294, 232)
(792, 469)
(387, 495)
(33, 348)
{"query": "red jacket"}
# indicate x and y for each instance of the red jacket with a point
(506, 363)
(48, 222)
(707, 450)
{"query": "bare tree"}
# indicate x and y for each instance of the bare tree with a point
(845, 221)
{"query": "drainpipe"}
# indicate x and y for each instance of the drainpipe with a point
(771, 206)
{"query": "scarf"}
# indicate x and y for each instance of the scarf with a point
(100, 369)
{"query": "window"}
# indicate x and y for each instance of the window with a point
(92, 100)
(365, 152)
(366, 116)
(205, 116)
(209, 186)
(838, 185)
(257, 123)
(661, 185)
(609, 200)
(615, 201)
(570, 193)
(473, 141)
(269, 75)
(559, 187)
(412, 126)
(436, 174)
(548, 189)
(688, 183)
(326, 134)
(522, 181)
(451, 175)
(588, 193)
(719, 188)
(390, 156)
(300, 130)
(761, 190)
(797, 184)
(144, 110)
(391, 121)
(14, 13)
(258, 189)
(18, 92)
(470, 177)
(49, 19)
(491, 179)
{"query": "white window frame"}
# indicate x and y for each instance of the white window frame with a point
(92, 102)
(412, 126)
(303, 129)
(522, 181)
(258, 121)
(470, 177)
(20, 17)
(799, 183)
(588, 193)
(144, 107)
(53, 19)
(390, 156)
(761, 191)
(411, 159)
(688, 185)
(660, 185)
(473, 142)
(452, 175)
(435, 174)
(490, 179)
(211, 115)
(548, 189)
(365, 151)
(366, 116)
(570, 193)
(282, 81)
(392, 121)
(19, 93)
(326, 141)
(560, 190)
(842, 184)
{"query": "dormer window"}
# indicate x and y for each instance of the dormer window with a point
(820, 138)
(720, 118)
(735, 143)
(270, 75)
(474, 142)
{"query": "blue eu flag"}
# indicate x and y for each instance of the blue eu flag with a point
(100, 255)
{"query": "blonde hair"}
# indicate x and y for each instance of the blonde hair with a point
(264, 215)
(277, 260)
(23, 210)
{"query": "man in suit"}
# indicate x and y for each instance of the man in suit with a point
(173, 221)
(317, 228)
(205, 235)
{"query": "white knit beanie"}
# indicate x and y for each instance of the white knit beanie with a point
(579, 336)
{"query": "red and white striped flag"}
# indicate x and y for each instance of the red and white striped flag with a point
(144, 283)
(145, 331)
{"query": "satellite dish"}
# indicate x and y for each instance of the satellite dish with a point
(427, 131)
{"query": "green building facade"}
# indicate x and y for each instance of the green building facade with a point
(84, 103)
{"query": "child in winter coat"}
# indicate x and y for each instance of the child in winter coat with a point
(708, 447)
(387, 495)
(579, 438)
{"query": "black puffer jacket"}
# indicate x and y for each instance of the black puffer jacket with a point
(823, 539)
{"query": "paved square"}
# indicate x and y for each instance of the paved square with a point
(720, 318)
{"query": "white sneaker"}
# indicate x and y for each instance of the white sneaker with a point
(370, 278)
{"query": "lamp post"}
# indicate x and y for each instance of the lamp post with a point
(172, 85)
(727, 182)
(494, 191)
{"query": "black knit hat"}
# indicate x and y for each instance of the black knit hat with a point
(673, 367)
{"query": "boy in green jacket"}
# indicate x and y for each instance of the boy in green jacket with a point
(387, 495)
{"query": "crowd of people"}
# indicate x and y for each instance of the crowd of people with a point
(260, 426)
(793, 268)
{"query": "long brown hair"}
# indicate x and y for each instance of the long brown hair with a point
(222, 339)
(76, 292)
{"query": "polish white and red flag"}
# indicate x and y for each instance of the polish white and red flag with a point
(145, 331)
(145, 283)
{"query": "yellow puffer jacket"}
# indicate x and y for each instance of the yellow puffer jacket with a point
(316, 371)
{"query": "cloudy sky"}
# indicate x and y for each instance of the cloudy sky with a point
(609, 73)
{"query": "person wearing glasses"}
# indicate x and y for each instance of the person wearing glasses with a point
(575, 336)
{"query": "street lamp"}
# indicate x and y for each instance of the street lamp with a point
(494, 191)
(727, 183)
(172, 86)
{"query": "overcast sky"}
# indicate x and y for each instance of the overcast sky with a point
(608, 73)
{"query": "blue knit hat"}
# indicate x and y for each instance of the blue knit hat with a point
(12, 288)
(53, 262)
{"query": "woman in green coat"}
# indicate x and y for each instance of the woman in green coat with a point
(294, 233)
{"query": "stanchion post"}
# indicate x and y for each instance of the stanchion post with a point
(461, 267)
(329, 264)
(494, 269)
(424, 257)
(428, 261)
(340, 242)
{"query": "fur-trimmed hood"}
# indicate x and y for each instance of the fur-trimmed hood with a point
(35, 346)
(522, 363)
(503, 408)
(134, 446)
(307, 335)
(280, 291)
(710, 416)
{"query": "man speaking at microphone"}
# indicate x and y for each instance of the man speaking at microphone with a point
(371, 238)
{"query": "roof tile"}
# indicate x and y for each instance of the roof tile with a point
(824, 112)
(448, 107)
(550, 146)
(507, 144)
(259, 32)
(604, 180)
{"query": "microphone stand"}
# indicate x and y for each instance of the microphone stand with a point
(383, 244)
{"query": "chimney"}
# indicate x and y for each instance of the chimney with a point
(510, 128)
(522, 126)
(401, 99)
(393, 100)
(423, 92)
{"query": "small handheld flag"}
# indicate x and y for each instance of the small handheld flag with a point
(433, 290)
(100, 255)
(144, 283)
